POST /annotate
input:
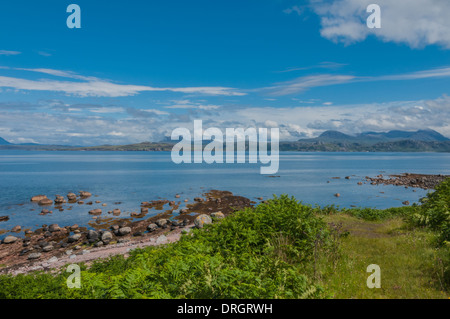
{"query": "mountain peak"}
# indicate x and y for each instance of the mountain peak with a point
(335, 135)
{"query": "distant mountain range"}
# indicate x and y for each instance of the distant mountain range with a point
(393, 141)
(328, 141)
(376, 137)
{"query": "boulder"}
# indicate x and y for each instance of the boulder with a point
(152, 227)
(4, 218)
(72, 197)
(16, 229)
(218, 215)
(124, 231)
(202, 220)
(107, 237)
(54, 228)
(73, 238)
(161, 222)
(92, 235)
(10, 239)
(116, 212)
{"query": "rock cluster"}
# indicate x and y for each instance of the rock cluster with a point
(409, 180)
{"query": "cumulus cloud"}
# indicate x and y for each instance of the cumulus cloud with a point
(87, 128)
(416, 23)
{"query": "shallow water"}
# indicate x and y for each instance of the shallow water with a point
(134, 177)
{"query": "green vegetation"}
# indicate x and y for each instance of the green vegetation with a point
(280, 249)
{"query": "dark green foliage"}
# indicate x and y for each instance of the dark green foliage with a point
(435, 211)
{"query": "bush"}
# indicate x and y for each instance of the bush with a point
(435, 211)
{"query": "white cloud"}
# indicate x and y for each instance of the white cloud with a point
(303, 83)
(92, 86)
(187, 104)
(292, 9)
(416, 23)
(6, 52)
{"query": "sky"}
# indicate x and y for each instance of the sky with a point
(136, 70)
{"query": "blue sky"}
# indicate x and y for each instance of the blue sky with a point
(138, 69)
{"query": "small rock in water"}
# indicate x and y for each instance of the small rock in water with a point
(97, 211)
(85, 194)
(38, 198)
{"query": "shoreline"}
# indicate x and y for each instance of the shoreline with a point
(47, 249)
(51, 247)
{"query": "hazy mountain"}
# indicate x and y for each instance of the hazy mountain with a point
(377, 137)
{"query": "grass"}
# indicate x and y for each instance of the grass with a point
(407, 259)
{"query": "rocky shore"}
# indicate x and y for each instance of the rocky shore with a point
(53, 246)
(408, 180)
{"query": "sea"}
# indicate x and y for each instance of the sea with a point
(125, 179)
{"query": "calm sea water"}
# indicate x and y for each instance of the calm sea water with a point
(134, 177)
